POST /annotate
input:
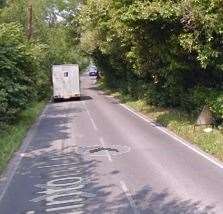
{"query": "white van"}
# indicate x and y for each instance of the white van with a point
(66, 81)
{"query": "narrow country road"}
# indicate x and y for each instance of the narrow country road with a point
(96, 157)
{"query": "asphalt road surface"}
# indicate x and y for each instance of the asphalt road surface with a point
(95, 156)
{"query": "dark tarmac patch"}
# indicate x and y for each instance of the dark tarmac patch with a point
(99, 150)
(103, 149)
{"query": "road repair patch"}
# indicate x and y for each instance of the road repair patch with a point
(99, 150)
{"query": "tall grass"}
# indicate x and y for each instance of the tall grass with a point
(11, 138)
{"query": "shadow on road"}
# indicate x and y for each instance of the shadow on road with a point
(85, 97)
(50, 158)
(54, 124)
(147, 202)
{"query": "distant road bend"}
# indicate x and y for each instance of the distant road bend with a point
(96, 157)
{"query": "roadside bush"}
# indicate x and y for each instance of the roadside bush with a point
(201, 96)
(216, 103)
(20, 69)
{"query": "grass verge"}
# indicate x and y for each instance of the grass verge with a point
(11, 138)
(177, 121)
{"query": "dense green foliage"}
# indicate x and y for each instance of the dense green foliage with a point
(20, 70)
(25, 64)
(2, 3)
(167, 52)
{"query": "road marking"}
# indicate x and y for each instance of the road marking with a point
(59, 165)
(182, 141)
(66, 208)
(91, 118)
(107, 153)
(64, 192)
(129, 196)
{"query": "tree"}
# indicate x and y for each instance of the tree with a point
(26, 56)
(2, 3)
(168, 50)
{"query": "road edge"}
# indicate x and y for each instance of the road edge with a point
(168, 132)
(9, 172)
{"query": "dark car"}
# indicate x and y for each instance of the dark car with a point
(93, 72)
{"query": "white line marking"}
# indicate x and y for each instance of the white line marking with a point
(76, 212)
(30, 212)
(76, 206)
(129, 196)
(59, 165)
(91, 118)
(182, 141)
(108, 154)
(94, 125)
